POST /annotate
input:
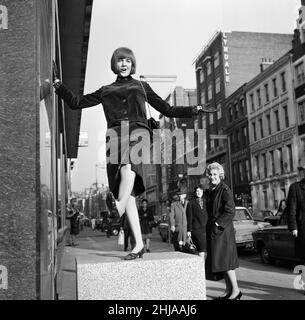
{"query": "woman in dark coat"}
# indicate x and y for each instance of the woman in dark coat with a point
(222, 251)
(197, 217)
(146, 218)
(124, 107)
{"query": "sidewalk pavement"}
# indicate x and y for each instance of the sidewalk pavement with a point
(256, 281)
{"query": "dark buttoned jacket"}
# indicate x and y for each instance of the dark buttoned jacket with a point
(124, 99)
(196, 216)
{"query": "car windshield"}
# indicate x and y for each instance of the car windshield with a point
(241, 214)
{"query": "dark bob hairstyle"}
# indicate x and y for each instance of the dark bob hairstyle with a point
(123, 52)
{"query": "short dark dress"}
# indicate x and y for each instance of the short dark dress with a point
(124, 107)
(197, 218)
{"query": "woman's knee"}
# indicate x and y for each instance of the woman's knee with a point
(126, 171)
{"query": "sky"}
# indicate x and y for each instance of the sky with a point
(165, 36)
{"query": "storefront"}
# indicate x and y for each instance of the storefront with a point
(37, 141)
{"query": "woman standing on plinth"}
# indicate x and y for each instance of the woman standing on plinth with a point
(124, 103)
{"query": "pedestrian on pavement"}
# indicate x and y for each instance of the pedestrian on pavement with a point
(178, 221)
(295, 211)
(222, 252)
(93, 223)
(197, 218)
(124, 107)
(146, 219)
(128, 235)
(73, 216)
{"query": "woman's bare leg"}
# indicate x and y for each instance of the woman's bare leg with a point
(133, 218)
(233, 283)
(126, 186)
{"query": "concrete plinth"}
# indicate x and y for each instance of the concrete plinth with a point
(157, 276)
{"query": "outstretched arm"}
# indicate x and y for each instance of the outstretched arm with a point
(178, 112)
(80, 101)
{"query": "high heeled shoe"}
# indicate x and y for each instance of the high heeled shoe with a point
(223, 297)
(133, 256)
(238, 297)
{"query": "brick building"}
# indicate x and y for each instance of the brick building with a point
(227, 62)
(273, 133)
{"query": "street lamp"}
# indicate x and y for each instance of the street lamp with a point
(225, 137)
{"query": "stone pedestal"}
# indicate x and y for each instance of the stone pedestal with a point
(157, 276)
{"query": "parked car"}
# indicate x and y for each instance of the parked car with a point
(262, 215)
(244, 226)
(274, 220)
(109, 223)
(275, 243)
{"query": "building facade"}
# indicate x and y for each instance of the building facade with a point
(236, 115)
(229, 60)
(39, 137)
(273, 133)
(299, 80)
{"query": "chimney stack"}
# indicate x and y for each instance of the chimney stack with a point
(266, 62)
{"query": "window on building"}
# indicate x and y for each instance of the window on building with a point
(260, 121)
(268, 124)
(277, 120)
(201, 73)
(299, 71)
(217, 85)
(236, 110)
(244, 131)
(210, 92)
(216, 59)
(212, 143)
(237, 138)
(241, 173)
(301, 109)
(265, 165)
(209, 69)
(230, 111)
(219, 112)
(267, 93)
(242, 106)
(275, 93)
(211, 118)
(259, 99)
(286, 116)
(257, 167)
(254, 131)
(283, 78)
(252, 102)
(272, 161)
(265, 198)
(202, 97)
(248, 171)
(280, 156)
(290, 157)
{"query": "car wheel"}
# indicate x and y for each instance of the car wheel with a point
(265, 255)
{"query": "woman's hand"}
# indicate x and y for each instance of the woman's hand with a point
(189, 234)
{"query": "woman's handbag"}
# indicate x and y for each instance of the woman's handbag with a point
(189, 246)
(121, 237)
